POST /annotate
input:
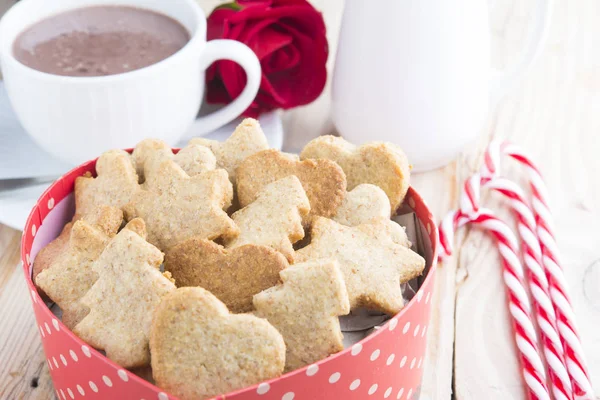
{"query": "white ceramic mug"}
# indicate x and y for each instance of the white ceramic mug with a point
(76, 118)
(417, 73)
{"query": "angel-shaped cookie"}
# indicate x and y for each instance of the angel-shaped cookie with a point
(176, 206)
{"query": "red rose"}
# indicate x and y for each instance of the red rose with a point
(288, 37)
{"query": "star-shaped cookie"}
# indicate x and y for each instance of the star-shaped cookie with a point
(70, 275)
(176, 206)
(247, 139)
(114, 186)
(122, 300)
(305, 310)
(274, 219)
(373, 264)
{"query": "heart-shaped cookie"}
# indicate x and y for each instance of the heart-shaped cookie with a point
(323, 180)
(233, 275)
(380, 163)
(200, 350)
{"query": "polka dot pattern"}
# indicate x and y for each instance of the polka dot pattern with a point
(86, 351)
(406, 327)
(390, 359)
(312, 370)
(123, 375)
(373, 389)
(107, 381)
(334, 377)
(403, 361)
(356, 349)
(375, 355)
(387, 364)
(263, 388)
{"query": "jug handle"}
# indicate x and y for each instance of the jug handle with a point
(501, 82)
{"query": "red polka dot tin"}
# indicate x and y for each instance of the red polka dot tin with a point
(388, 364)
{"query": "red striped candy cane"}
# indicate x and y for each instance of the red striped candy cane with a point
(519, 305)
(567, 327)
(538, 283)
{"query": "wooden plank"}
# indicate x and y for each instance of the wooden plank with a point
(441, 187)
(552, 115)
(23, 370)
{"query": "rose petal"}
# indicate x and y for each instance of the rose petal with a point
(284, 59)
(288, 36)
(305, 82)
(268, 41)
(216, 22)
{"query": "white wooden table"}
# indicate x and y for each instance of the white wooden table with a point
(555, 114)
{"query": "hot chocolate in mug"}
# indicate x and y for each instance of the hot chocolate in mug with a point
(75, 118)
(417, 73)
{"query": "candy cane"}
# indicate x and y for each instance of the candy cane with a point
(567, 327)
(519, 305)
(538, 283)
